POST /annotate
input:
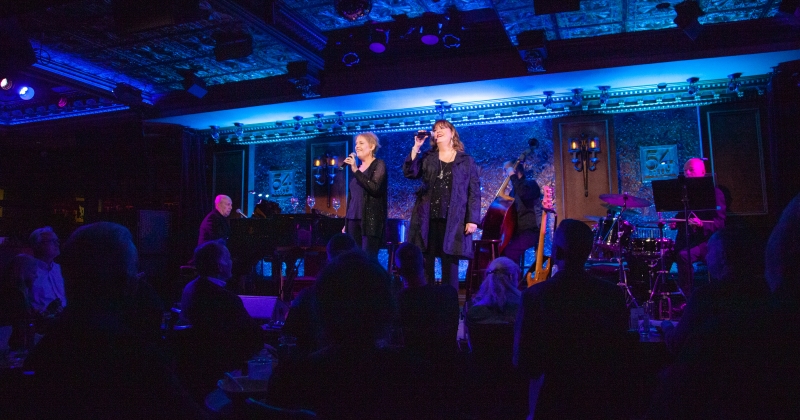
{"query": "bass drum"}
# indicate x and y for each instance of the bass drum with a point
(651, 248)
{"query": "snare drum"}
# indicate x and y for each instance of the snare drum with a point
(606, 232)
(650, 247)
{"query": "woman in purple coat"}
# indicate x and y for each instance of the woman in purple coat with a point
(448, 206)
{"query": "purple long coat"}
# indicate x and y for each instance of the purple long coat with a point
(465, 201)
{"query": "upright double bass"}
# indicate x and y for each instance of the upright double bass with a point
(500, 220)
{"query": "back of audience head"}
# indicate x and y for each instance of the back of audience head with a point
(410, 264)
(99, 265)
(502, 278)
(572, 243)
(20, 273)
(355, 299)
(212, 259)
(339, 244)
(45, 244)
(730, 255)
(783, 252)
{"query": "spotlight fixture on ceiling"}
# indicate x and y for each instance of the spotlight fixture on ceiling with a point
(26, 93)
(452, 28)
(661, 85)
(604, 95)
(734, 83)
(319, 124)
(214, 133)
(339, 119)
(531, 47)
(693, 89)
(378, 38)
(297, 126)
(430, 29)
(353, 10)
(548, 100)
(577, 98)
(239, 130)
(350, 59)
(687, 13)
(441, 107)
(6, 83)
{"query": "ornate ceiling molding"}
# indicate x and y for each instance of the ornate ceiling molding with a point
(619, 100)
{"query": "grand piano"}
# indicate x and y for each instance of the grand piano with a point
(280, 238)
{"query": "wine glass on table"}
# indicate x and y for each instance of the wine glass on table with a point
(310, 200)
(295, 203)
(336, 204)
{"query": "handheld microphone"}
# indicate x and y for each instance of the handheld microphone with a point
(344, 165)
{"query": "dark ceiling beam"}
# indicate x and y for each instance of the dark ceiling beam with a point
(18, 7)
(251, 15)
(647, 47)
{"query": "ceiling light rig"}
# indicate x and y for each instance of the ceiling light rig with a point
(548, 100)
(734, 84)
(693, 89)
(319, 124)
(604, 95)
(339, 119)
(577, 98)
(441, 107)
(378, 38)
(353, 10)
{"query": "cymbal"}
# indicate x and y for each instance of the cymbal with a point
(615, 209)
(593, 218)
(624, 200)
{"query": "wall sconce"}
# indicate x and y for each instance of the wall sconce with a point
(297, 125)
(239, 130)
(580, 150)
(324, 171)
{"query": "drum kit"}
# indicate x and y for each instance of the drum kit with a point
(619, 244)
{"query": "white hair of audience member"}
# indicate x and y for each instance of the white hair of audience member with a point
(502, 278)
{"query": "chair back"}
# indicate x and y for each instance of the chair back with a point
(493, 342)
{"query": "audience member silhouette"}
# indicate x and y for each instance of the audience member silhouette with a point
(356, 376)
(428, 313)
(15, 306)
(222, 335)
(47, 293)
(94, 362)
(741, 362)
(498, 298)
(303, 322)
(737, 288)
(572, 329)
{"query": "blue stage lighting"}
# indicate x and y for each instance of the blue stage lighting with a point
(26, 93)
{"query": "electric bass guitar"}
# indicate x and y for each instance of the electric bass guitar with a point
(543, 267)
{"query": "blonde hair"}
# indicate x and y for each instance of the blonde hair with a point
(371, 138)
(502, 277)
(457, 144)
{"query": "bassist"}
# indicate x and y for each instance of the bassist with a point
(526, 195)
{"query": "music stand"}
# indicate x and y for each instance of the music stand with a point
(687, 195)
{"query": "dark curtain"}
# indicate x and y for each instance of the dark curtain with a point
(195, 200)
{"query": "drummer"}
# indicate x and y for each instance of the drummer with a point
(702, 224)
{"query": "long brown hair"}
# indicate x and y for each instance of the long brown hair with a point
(457, 144)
